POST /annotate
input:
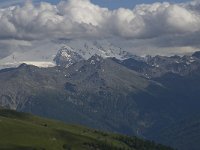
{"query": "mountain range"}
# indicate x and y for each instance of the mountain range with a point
(112, 90)
(44, 55)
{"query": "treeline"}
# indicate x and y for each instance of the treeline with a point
(139, 144)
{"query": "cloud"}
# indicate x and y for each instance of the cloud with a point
(72, 19)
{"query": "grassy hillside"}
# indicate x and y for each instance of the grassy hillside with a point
(20, 131)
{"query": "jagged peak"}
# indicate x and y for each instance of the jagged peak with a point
(196, 54)
(23, 65)
(96, 57)
(66, 56)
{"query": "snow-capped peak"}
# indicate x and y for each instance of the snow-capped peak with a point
(103, 48)
(77, 50)
(63, 53)
(66, 56)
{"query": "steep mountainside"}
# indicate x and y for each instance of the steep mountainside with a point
(182, 135)
(98, 92)
(21, 131)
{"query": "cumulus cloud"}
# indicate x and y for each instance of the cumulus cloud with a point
(156, 22)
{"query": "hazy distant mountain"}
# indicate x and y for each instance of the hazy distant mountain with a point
(152, 67)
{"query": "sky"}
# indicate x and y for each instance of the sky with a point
(138, 26)
(111, 4)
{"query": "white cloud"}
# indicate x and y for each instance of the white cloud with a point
(82, 19)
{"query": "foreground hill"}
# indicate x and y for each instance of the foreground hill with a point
(20, 131)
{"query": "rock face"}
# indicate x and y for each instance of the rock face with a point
(66, 57)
